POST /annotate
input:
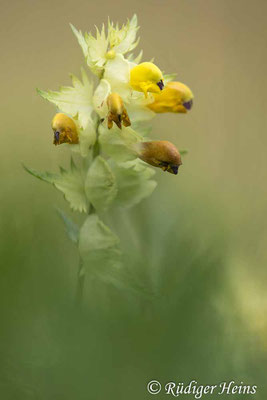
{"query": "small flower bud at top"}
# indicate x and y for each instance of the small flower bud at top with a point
(110, 55)
(176, 98)
(146, 77)
(65, 129)
(161, 154)
(117, 112)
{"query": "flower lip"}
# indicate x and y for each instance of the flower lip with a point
(175, 168)
(160, 84)
(56, 136)
(188, 104)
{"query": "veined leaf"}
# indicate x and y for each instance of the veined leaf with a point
(117, 73)
(81, 40)
(94, 48)
(43, 176)
(76, 100)
(87, 138)
(117, 143)
(71, 228)
(100, 184)
(135, 59)
(100, 96)
(134, 182)
(70, 183)
(96, 237)
(123, 40)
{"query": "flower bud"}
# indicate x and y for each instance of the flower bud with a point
(176, 98)
(65, 129)
(161, 154)
(117, 112)
(110, 55)
(146, 77)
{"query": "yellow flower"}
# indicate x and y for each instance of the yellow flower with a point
(161, 154)
(65, 129)
(117, 112)
(176, 97)
(146, 77)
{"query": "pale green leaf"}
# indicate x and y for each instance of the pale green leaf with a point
(135, 59)
(123, 40)
(142, 127)
(117, 73)
(75, 101)
(138, 112)
(183, 152)
(94, 48)
(96, 237)
(168, 77)
(97, 47)
(70, 183)
(134, 182)
(118, 143)
(71, 228)
(87, 138)
(100, 184)
(43, 176)
(81, 40)
(99, 99)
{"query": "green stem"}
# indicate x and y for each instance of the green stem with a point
(81, 272)
(80, 285)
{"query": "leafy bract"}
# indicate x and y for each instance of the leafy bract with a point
(100, 96)
(134, 182)
(135, 59)
(71, 228)
(118, 143)
(43, 176)
(183, 152)
(138, 110)
(169, 77)
(87, 138)
(70, 183)
(81, 40)
(100, 184)
(94, 48)
(96, 239)
(117, 73)
(119, 40)
(122, 39)
(75, 101)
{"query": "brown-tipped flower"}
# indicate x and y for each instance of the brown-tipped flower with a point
(176, 98)
(65, 130)
(117, 112)
(161, 154)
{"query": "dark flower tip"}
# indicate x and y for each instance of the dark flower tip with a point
(160, 84)
(56, 137)
(188, 104)
(175, 169)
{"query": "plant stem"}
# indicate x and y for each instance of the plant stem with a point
(80, 285)
(81, 271)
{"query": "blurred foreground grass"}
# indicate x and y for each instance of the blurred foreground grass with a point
(175, 318)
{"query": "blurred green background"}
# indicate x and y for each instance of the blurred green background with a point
(197, 246)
